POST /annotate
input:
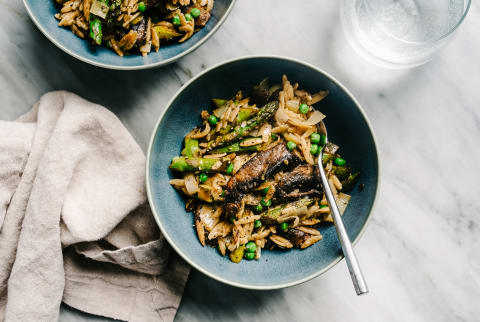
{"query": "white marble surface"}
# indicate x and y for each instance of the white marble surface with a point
(421, 252)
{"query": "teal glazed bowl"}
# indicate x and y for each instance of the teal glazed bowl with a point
(347, 126)
(42, 13)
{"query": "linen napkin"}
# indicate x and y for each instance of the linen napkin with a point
(74, 226)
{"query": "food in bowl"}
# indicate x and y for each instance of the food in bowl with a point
(249, 172)
(128, 26)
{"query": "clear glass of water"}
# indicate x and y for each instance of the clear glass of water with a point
(401, 33)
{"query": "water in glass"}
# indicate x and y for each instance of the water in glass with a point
(400, 33)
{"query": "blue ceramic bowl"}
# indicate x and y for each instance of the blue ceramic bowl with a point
(347, 126)
(42, 13)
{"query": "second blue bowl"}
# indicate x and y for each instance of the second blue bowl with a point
(42, 13)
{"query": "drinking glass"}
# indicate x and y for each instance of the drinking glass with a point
(401, 33)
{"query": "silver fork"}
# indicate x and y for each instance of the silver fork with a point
(352, 262)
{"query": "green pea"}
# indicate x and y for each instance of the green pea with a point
(284, 226)
(291, 145)
(323, 140)
(303, 108)
(141, 6)
(250, 247)
(249, 255)
(258, 207)
(203, 177)
(265, 190)
(340, 161)
(195, 12)
(257, 224)
(212, 119)
(230, 168)
(266, 203)
(223, 194)
(314, 149)
(315, 138)
(176, 20)
(274, 136)
(188, 17)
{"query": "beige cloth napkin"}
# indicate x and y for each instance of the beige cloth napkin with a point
(74, 226)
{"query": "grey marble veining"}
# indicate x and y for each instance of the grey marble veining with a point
(421, 252)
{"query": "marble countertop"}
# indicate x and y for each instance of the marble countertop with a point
(421, 252)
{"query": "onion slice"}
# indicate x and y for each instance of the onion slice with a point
(315, 118)
(191, 184)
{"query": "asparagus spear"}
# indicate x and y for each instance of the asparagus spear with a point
(191, 147)
(218, 102)
(348, 183)
(195, 164)
(342, 172)
(244, 114)
(224, 130)
(261, 117)
(327, 157)
(166, 33)
(237, 255)
(270, 216)
(96, 30)
(236, 147)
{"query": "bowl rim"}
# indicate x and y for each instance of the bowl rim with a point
(184, 256)
(119, 67)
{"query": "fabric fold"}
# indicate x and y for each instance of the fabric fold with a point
(75, 223)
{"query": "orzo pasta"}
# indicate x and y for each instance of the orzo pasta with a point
(250, 172)
(134, 25)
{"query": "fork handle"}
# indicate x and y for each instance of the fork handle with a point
(352, 263)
